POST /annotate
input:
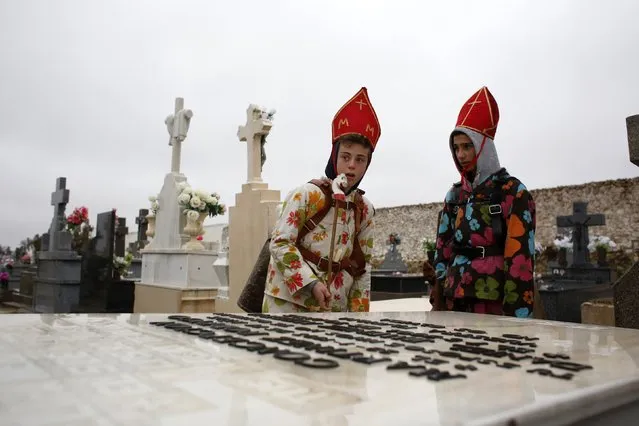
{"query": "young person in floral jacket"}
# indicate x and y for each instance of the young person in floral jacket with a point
(298, 278)
(485, 247)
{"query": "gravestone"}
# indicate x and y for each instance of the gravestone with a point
(141, 241)
(563, 291)
(626, 289)
(254, 214)
(175, 279)
(393, 262)
(98, 265)
(391, 279)
(57, 288)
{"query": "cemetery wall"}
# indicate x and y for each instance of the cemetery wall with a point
(618, 200)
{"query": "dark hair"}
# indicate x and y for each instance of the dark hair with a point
(357, 139)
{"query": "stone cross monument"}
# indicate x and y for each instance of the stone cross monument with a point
(580, 221)
(178, 126)
(57, 283)
(59, 200)
(252, 218)
(173, 278)
(254, 132)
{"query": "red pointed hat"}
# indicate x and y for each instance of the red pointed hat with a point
(480, 113)
(357, 116)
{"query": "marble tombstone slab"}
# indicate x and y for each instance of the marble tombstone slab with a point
(417, 368)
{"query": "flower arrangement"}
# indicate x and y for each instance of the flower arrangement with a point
(121, 264)
(77, 223)
(601, 242)
(394, 239)
(198, 201)
(563, 241)
(155, 204)
(428, 245)
(77, 218)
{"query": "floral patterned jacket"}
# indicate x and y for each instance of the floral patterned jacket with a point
(505, 275)
(289, 274)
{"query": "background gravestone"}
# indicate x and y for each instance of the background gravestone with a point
(139, 244)
(626, 289)
(562, 294)
(57, 287)
(98, 265)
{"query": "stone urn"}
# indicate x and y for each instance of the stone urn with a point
(562, 257)
(602, 254)
(193, 228)
(150, 230)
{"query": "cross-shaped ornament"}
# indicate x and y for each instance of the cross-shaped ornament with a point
(258, 125)
(580, 221)
(361, 103)
(59, 200)
(177, 125)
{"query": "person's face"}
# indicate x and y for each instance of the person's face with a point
(464, 150)
(352, 160)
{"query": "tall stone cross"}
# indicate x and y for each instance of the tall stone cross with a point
(177, 125)
(59, 200)
(580, 221)
(258, 126)
(143, 224)
(632, 125)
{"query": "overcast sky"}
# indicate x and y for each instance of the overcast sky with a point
(86, 86)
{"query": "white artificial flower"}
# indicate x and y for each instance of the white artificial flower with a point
(182, 185)
(187, 190)
(212, 200)
(192, 214)
(155, 206)
(153, 198)
(196, 202)
(184, 199)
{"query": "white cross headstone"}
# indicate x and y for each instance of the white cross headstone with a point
(177, 125)
(258, 124)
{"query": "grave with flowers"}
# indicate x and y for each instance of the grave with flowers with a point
(573, 280)
(177, 270)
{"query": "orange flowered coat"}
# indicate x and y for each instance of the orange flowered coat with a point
(289, 274)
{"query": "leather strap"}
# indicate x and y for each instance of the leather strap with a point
(356, 263)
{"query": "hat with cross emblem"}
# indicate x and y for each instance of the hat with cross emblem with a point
(480, 113)
(357, 116)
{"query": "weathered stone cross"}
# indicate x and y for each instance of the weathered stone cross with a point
(258, 125)
(178, 126)
(143, 224)
(59, 200)
(580, 221)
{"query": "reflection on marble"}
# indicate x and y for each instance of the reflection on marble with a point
(118, 369)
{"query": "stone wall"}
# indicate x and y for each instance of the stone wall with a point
(618, 200)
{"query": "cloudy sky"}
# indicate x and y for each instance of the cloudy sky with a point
(86, 86)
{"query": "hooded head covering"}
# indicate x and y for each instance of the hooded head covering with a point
(478, 120)
(356, 117)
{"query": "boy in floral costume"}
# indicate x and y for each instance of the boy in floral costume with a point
(298, 278)
(485, 247)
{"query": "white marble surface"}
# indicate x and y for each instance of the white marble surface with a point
(409, 304)
(117, 369)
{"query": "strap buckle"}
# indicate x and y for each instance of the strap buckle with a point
(494, 209)
(483, 251)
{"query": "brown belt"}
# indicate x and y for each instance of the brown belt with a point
(322, 262)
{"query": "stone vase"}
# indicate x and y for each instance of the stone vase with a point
(193, 228)
(562, 257)
(602, 255)
(150, 230)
